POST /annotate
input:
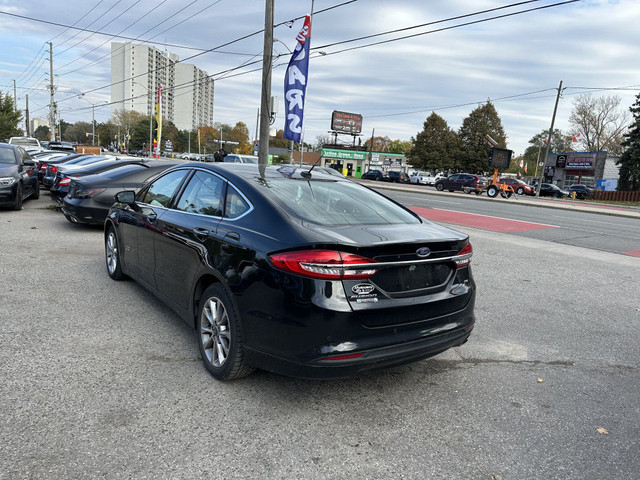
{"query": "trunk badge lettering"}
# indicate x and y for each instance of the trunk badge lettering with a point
(362, 288)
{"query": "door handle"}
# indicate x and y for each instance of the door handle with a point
(201, 233)
(152, 216)
(232, 236)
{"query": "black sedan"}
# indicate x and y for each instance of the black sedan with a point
(63, 178)
(18, 176)
(551, 190)
(51, 168)
(582, 191)
(90, 197)
(292, 271)
(375, 175)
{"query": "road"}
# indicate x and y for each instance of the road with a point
(568, 227)
(100, 380)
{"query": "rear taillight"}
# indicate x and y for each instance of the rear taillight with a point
(54, 169)
(65, 181)
(88, 192)
(43, 167)
(463, 258)
(324, 264)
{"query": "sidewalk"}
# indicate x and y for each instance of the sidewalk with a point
(566, 204)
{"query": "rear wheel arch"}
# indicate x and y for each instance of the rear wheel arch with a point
(204, 282)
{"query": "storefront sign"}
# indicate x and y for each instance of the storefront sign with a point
(343, 154)
(580, 163)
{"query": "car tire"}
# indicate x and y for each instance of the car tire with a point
(112, 255)
(520, 191)
(219, 335)
(478, 192)
(557, 195)
(17, 203)
(36, 193)
(492, 191)
(506, 194)
(439, 187)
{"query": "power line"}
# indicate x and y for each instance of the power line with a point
(474, 22)
(69, 27)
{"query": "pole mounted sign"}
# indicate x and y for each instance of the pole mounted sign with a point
(344, 122)
(295, 84)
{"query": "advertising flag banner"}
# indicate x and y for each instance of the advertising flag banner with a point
(158, 139)
(295, 84)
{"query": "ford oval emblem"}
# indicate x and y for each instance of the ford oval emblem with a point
(362, 288)
(423, 252)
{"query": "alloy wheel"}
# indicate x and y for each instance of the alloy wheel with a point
(215, 332)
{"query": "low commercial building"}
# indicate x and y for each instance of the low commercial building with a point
(569, 168)
(353, 163)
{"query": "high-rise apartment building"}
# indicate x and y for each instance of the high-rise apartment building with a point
(138, 70)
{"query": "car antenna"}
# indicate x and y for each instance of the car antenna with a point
(307, 174)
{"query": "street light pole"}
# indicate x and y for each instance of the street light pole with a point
(93, 125)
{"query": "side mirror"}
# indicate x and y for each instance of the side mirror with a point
(128, 197)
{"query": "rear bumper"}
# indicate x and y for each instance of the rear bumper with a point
(76, 213)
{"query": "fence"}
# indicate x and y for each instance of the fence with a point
(617, 196)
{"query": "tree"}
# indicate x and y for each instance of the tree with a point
(400, 146)
(600, 123)
(240, 134)
(629, 177)
(560, 142)
(435, 147)
(482, 121)
(279, 141)
(380, 144)
(77, 132)
(41, 133)
(9, 119)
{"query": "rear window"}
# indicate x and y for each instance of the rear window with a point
(329, 202)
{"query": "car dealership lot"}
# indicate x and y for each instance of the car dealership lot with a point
(100, 379)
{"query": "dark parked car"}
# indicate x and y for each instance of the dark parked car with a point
(18, 176)
(46, 162)
(550, 190)
(398, 177)
(582, 191)
(65, 174)
(51, 169)
(462, 181)
(90, 197)
(375, 175)
(299, 273)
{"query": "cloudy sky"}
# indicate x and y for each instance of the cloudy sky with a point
(448, 65)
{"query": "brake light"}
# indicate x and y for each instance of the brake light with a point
(65, 181)
(463, 258)
(43, 167)
(54, 169)
(324, 264)
(88, 192)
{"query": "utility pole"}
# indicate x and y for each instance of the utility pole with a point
(373, 132)
(52, 104)
(26, 117)
(15, 97)
(546, 154)
(265, 108)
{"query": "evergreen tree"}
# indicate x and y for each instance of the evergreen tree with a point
(435, 147)
(482, 121)
(629, 177)
(9, 119)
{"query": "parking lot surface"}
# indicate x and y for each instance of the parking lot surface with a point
(101, 380)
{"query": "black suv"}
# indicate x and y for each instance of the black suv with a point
(398, 177)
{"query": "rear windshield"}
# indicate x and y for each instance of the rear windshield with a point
(329, 202)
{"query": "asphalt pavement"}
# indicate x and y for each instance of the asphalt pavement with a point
(101, 380)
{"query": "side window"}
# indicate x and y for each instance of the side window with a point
(162, 190)
(454, 178)
(235, 204)
(203, 194)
